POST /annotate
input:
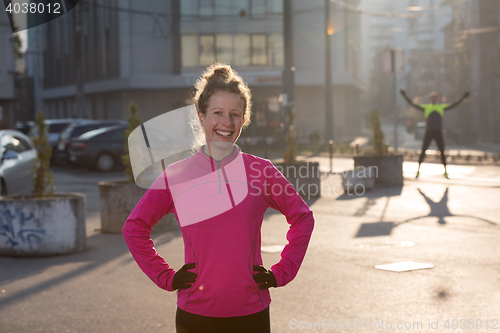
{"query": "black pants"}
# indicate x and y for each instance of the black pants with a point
(429, 136)
(259, 322)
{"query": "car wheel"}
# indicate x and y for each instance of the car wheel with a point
(3, 188)
(105, 162)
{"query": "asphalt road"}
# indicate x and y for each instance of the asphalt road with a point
(452, 224)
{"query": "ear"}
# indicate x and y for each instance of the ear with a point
(201, 117)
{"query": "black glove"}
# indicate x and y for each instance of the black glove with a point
(264, 276)
(182, 277)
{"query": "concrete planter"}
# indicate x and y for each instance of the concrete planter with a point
(388, 168)
(118, 199)
(304, 176)
(358, 180)
(34, 227)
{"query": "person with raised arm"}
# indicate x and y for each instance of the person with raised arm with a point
(434, 114)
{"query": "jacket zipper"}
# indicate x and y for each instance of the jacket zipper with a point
(218, 173)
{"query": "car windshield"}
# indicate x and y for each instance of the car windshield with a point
(84, 129)
(96, 132)
(67, 133)
(57, 128)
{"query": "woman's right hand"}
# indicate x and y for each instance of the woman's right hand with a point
(182, 277)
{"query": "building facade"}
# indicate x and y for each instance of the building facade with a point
(6, 73)
(473, 64)
(151, 53)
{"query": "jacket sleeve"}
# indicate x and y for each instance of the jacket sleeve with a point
(281, 196)
(137, 233)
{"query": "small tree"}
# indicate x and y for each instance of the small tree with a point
(43, 182)
(290, 153)
(133, 123)
(378, 136)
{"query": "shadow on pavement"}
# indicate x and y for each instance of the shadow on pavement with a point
(438, 209)
(101, 249)
(375, 229)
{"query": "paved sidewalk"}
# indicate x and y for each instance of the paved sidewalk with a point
(452, 224)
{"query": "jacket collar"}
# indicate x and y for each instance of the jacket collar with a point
(203, 158)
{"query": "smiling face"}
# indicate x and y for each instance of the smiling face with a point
(223, 118)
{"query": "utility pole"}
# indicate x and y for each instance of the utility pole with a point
(80, 93)
(328, 77)
(288, 72)
(288, 77)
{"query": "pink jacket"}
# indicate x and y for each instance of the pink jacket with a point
(220, 207)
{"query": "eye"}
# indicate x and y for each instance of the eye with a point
(218, 112)
(236, 115)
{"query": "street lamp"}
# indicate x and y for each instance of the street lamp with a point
(328, 75)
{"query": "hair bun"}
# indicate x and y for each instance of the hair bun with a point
(220, 73)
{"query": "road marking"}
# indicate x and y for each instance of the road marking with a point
(387, 244)
(404, 266)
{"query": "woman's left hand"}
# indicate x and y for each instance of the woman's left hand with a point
(264, 276)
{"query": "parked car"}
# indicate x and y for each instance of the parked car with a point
(75, 130)
(99, 149)
(54, 129)
(17, 157)
(25, 127)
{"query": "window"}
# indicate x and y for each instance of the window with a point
(223, 7)
(224, 48)
(118, 135)
(274, 6)
(13, 144)
(83, 129)
(189, 9)
(207, 50)
(276, 50)
(57, 127)
(206, 9)
(240, 5)
(26, 144)
(259, 50)
(189, 48)
(112, 136)
(242, 50)
(258, 8)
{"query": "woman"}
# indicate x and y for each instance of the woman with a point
(219, 196)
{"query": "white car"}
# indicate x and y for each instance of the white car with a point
(17, 157)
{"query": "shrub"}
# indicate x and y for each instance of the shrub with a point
(290, 153)
(43, 181)
(133, 123)
(378, 136)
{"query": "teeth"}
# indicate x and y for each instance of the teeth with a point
(223, 133)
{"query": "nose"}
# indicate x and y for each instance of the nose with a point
(227, 120)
